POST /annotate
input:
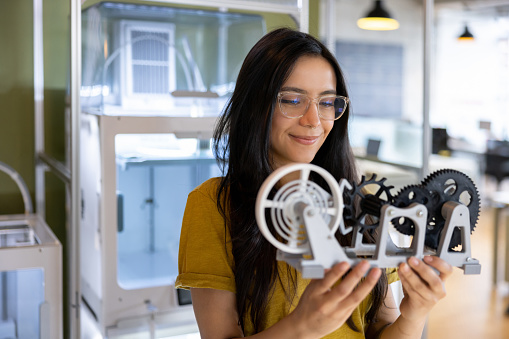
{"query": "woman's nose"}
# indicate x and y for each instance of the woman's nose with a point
(311, 117)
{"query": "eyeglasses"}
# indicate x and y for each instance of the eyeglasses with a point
(295, 105)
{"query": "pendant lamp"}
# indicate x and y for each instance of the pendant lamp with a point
(378, 19)
(466, 36)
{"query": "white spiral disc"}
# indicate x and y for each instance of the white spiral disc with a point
(288, 233)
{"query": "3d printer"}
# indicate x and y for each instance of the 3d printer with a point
(154, 80)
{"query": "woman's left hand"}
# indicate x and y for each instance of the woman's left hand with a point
(422, 285)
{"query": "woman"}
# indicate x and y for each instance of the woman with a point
(279, 113)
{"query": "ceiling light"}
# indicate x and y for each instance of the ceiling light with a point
(466, 36)
(378, 19)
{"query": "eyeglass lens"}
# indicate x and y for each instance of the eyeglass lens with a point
(296, 105)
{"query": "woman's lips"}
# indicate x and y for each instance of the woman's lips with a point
(305, 140)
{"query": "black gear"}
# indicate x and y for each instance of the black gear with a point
(405, 197)
(370, 204)
(449, 185)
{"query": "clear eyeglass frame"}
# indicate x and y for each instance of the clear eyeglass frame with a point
(309, 100)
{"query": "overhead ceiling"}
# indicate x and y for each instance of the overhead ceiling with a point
(475, 8)
(473, 4)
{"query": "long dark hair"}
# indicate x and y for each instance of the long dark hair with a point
(241, 146)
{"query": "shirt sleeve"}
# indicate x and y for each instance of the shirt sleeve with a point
(205, 259)
(392, 275)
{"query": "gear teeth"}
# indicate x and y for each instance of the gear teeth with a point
(435, 183)
(432, 176)
(407, 187)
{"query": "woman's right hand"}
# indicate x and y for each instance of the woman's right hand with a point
(325, 306)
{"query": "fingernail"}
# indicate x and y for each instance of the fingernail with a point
(428, 258)
(413, 261)
(361, 265)
(374, 272)
(344, 266)
(403, 267)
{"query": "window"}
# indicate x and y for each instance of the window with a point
(374, 74)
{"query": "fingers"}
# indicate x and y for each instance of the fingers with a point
(440, 265)
(350, 287)
(364, 288)
(349, 282)
(413, 284)
(353, 278)
(332, 276)
(422, 279)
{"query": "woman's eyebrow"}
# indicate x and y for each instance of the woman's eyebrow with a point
(293, 89)
(299, 90)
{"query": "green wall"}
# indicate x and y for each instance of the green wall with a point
(16, 92)
(16, 108)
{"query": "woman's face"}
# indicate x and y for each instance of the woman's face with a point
(299, 139)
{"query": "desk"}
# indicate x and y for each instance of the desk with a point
(369, 164)
(500, 202)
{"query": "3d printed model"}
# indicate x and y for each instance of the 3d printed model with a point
(301, 214)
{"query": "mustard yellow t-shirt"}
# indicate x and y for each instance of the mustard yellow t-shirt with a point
(206, 261)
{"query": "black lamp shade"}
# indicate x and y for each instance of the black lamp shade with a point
(466, 35)
(378, 11)
(378, 19)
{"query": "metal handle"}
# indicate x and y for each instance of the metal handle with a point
(21, 185)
